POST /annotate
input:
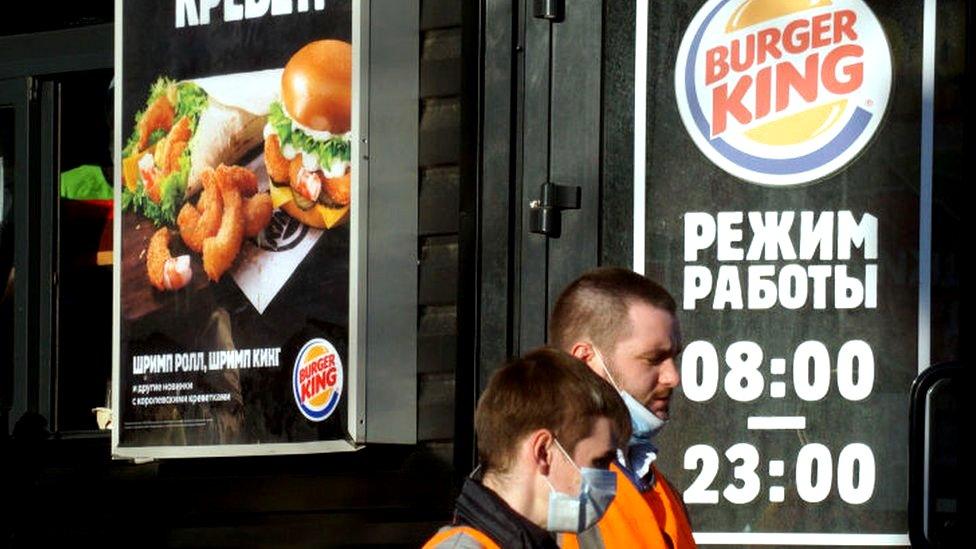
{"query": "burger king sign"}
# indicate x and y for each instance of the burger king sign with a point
(783, 92)
(317, 379)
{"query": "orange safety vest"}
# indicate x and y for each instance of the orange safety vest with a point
(669, 511)
(628, 522)
(456, 536)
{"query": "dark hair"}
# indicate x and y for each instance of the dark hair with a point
(595, 306)
(545, 389)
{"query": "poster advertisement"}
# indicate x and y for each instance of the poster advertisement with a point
(782, 165)
(235, 316)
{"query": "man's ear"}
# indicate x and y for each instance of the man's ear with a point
(540, 446)
(583, 350)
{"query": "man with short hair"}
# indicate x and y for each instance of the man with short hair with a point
(624, 327)
(547, 429)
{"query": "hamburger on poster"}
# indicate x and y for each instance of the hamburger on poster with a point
(307, 137)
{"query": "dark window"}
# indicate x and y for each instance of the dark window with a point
(81, 357)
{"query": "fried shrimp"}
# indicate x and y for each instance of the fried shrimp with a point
(181, 130)
(276, 163)
(244, 179)
(337, 190)
(257, 214)
(202, 221)
(165, 271)
(159, 116)
(170, 148)
(220, 250)
(306, 183)
(172, 162)
(257, 207)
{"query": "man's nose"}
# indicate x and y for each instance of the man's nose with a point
(669, 376)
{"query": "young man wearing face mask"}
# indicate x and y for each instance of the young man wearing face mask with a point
(548, 429)
(624, 327)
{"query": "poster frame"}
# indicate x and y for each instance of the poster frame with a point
(358, 285)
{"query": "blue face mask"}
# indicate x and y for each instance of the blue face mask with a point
(577, 513)
(644, 423)
(641, 451)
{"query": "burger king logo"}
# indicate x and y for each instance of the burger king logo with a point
(783, 92)
(317, 379)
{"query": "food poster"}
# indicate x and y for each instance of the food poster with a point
(234, 211)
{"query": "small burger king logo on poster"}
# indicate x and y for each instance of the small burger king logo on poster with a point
(317, 379)
(783, 92)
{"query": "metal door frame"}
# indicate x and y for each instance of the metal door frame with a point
(509, 277)
(17, 93)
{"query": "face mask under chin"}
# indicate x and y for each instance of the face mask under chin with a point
(644, 423)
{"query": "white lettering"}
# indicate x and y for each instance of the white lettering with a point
(762, 292)
(280, 7)
(727, 236)
(771, 236)
(848, 292)
(852, 234)
(205, 7)
(871, 286)
(817, 235)
(186, 13)
(699, 234)
(192, 13)
(152, 364)
(698, 284)
(303, 5)
(793, 286)
(728, 288)
(256, 8)
(819, 274)
(233, 11)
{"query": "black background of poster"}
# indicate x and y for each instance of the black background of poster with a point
(883, 180)
(152, 45)
(312, 303)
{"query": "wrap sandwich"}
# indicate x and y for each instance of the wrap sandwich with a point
(186, 128)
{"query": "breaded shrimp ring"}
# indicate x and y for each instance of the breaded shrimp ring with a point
(276, 163)
(244, 179)
(159, 116)
(202, 221)
(165, 271)
(220, 250)
(257, 214)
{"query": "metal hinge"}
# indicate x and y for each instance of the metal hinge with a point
(545, 215)
(553, 10)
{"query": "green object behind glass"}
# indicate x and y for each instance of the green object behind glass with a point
(85, 183)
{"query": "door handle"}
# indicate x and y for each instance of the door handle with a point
(545, 215)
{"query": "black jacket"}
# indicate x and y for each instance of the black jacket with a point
(482, 509)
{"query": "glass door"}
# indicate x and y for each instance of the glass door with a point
(15, 279)
(76, 193)
(784, 185)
